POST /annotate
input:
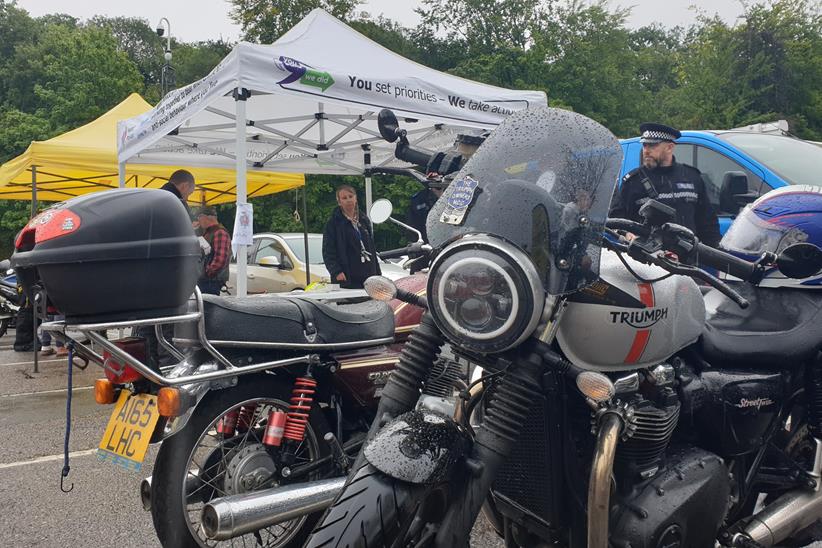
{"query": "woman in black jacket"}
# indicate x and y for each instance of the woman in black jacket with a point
(348, 242)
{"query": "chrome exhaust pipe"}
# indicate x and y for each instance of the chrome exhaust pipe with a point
(193, 482)
(145, 493)
(791, 512)
(599, 486)
(229, 517)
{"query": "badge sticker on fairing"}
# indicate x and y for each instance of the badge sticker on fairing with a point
(460, 198)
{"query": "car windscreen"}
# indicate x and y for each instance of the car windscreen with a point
(797, 162)
(315, 248)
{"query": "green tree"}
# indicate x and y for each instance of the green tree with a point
(142, 46)
(486, 25)
(195, 60)
(264, 21)
(768, 66)
(71, 76)
(587, 64)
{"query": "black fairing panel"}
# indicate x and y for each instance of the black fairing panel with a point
(418, 447)
(277, 319)
(781, 327)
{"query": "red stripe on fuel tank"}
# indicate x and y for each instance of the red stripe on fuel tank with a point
(646, 295)
(638, 346)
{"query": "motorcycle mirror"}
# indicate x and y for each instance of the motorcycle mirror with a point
(389, 126)
(380, 211)
(800, 261)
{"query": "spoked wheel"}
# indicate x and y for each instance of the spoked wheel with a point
(377, 511)
(206, 460)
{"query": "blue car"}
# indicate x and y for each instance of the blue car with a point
(739, 166)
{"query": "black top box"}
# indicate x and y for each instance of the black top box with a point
(111, 256)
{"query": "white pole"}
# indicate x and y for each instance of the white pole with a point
(121, 172)
(240, 152)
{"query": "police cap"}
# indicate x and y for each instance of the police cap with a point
(658, 133)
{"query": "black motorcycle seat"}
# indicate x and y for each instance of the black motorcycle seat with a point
(780, 328)
(292, 322)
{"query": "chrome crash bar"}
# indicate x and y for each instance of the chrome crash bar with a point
(92, 330)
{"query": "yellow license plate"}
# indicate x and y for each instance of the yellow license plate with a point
(129, 430)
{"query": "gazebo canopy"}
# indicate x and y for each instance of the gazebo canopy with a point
(310, 102)
(84, 160)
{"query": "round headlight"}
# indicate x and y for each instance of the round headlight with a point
(485, 294)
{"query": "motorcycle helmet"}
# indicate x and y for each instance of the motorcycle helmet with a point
(776, 220)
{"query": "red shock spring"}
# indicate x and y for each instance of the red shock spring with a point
(302, 396)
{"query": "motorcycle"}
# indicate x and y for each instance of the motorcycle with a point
(265, 400)
(616, 405)
(9, 297)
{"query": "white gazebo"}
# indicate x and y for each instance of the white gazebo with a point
(308, 103)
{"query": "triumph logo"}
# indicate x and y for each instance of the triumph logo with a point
(758, 403)
(640, 319)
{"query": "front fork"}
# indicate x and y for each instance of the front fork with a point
(494, 442)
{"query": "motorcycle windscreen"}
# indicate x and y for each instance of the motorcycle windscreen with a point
(543, 180)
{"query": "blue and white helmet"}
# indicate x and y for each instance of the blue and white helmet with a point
(776, 220)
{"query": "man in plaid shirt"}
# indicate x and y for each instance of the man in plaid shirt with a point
(215, 266)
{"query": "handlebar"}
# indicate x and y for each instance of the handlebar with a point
(416, 249)
(672, 237)
(730, 264)
(407, 153)
(403, 171)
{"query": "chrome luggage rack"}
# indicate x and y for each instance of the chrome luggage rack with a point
(225, 370)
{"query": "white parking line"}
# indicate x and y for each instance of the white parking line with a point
(55, 391)
(31, 362)
(49, 458)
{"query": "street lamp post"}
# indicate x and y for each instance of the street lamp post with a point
(167, 72)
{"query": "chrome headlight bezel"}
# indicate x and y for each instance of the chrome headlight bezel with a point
(507, 264)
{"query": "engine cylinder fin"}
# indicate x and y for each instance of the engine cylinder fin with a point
(654, 429)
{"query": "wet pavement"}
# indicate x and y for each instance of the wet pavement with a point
(103, 509)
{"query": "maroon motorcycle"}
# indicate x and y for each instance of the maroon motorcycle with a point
(264, 399)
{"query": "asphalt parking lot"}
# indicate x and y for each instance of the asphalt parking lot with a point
(103, 509)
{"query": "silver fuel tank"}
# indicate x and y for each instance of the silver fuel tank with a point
(622, 323)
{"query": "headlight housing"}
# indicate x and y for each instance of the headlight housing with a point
(485, 294)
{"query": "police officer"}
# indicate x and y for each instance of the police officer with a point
(421, 204)
(661, 177)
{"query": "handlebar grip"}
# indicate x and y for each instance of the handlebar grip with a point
(413, 156)
(725, 262)
(393, 253)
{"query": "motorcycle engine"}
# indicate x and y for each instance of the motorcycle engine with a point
(668, 495)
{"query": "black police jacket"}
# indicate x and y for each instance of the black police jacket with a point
(418, 208)
(679, 186)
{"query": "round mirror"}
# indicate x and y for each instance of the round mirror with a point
(800, 261)
(380, 211)
(388, 125)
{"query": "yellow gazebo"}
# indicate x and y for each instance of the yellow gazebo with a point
(84, 160)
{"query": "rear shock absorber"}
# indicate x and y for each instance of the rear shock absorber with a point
(813, 389)
(246, 418)
(302, 396)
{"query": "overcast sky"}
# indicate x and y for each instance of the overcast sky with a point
(211, 19)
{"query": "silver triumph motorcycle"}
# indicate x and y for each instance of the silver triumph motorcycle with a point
(611, 408)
